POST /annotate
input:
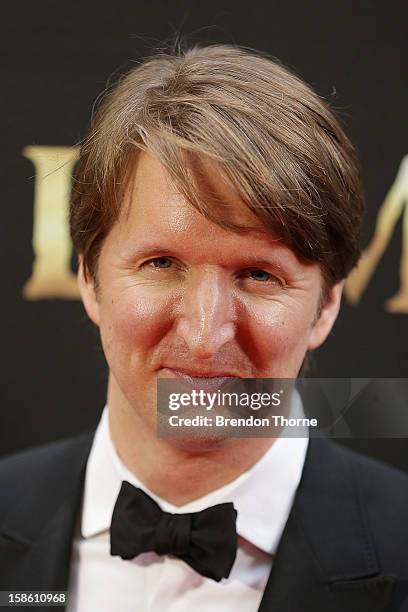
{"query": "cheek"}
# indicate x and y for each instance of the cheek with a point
(133, 322)
(278, 335)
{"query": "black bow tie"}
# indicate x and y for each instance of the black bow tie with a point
(206, 540)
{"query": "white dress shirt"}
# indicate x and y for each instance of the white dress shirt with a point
(263, 497)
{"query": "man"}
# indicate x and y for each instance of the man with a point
(216, 214)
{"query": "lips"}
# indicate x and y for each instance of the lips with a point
(204, 380)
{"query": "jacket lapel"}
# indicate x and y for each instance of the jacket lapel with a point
(36, 537)
(326, 559)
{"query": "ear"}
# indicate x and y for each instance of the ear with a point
(88, 293)
(327, 316)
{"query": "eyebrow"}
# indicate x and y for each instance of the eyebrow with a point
(146, 251)
(279, 261)
(261, 261)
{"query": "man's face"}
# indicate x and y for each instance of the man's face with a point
(180, 296)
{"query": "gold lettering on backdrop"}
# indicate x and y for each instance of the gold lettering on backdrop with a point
(394, 205)
(52, 276)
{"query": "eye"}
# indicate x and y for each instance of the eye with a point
(159, 262)
(260, 275)
(261, 281)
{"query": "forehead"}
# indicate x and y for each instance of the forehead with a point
(152, 197)
(158, 217)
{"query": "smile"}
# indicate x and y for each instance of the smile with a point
(204, 380)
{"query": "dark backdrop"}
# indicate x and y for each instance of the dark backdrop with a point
(57, 57)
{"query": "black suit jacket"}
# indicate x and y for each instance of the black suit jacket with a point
(344, 547)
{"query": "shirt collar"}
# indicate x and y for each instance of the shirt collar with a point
(263, 495)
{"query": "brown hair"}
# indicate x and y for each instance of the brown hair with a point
(275, 140)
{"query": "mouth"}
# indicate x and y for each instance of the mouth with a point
(203, 379)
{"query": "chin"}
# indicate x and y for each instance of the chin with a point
(198, 445)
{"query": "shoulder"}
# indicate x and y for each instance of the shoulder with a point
(375, 479)
(381, 492)
(45, 456)
(378, 482)
(42, 468)
(353, 509)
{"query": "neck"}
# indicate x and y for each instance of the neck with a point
(178, 471)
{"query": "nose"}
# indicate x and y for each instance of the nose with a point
(206, 319)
